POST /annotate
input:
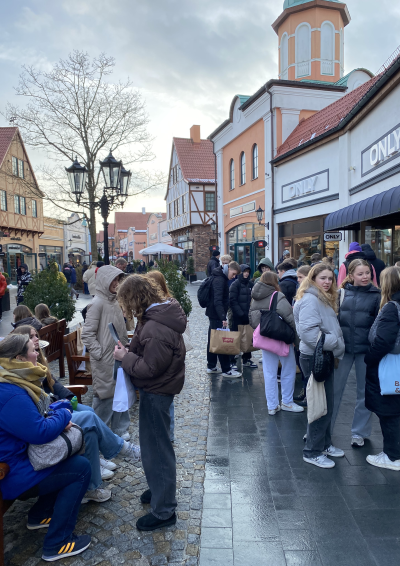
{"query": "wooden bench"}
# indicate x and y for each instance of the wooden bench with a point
(76, 376)
(5, 504)
(54, 334)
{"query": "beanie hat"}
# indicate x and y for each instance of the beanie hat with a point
(286, 252)
(355, 247)
(100, 263)
(216, 253)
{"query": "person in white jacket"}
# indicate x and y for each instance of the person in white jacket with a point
(315, 312)
(89, 277)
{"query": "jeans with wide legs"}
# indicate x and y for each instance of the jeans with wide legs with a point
(390, 427)
(158, 456)
(213, 358)
(288, 376)
(319, 431)
(118, 422)
(60, 496)
(362, 420)
(97, 437)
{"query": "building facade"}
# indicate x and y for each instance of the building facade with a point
(157, 229)
(76, 239)
(191, 197)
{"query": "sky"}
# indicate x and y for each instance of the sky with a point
(187, 57)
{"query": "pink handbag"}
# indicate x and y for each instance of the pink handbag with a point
(277, 347)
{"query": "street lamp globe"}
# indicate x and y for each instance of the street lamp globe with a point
(111, 169)
(124, 181)
(260, 214)
(213, 226)
(77, 175)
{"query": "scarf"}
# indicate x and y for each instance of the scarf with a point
(27, 376)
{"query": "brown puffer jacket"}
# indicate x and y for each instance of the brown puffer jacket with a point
(156, 358)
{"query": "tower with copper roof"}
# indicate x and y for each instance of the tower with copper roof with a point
(311, 40)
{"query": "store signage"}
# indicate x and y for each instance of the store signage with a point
(15, 247)
(332, 236)
(307, 186)
(2, 254)
(244, 209)
(381, 151)
(213, 248)
(260, 244)
(244, 233)
(42, 254)
(18, 238)
(76, 236)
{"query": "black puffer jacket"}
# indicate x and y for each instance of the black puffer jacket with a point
(385, 339)
(31, 320)
(212, 264)
(378, 264)
(240, 298)
(219, 296)
(357, 313)
(288, 285)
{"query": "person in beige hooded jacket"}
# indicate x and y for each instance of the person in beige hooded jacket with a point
(89, 277)
(100, 344)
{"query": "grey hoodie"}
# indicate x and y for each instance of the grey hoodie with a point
(313, 315)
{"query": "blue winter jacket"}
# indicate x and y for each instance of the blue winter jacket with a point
(73, 275)
(22, 424)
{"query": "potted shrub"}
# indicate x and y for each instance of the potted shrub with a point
(190, 269)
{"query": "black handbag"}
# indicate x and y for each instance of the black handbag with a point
(323, 361)
(273, 326)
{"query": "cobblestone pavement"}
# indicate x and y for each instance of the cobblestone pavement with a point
(115, 539)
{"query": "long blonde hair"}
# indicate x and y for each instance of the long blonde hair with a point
(329, 297)
(160, 279)
(351, 269)
(390, 283)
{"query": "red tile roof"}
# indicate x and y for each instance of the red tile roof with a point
(325, 120)
(196, 159)
(126, 220)
(6, 137)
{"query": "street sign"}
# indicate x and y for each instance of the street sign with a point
(332, 236)
(260, 243)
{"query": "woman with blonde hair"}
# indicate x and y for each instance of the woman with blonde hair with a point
(155, 362)
(359, 303)
(315, 313)
(385, 339)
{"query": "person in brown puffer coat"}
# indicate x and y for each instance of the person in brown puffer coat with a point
(156, 363)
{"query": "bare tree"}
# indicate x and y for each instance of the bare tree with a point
(73, 111)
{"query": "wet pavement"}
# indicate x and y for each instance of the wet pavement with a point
(264, 506)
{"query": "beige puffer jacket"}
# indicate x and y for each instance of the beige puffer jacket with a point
(96, 336)
(89, 277)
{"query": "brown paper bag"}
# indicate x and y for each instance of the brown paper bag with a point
(225, 342)
(246, 338)
(79, 343)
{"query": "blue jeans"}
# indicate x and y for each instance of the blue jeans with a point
(60, 496)
(98, 437)
(172, 425)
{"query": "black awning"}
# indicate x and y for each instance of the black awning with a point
(382, 204)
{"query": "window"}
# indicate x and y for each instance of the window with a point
(3, 200)
(255, 161)
(22, 201)
(17, 209)
(284, 57)
(303, 50)
(175, 208)
(21, 168)
(232, 175)
(242, 168)
(15, 166)
(183, 205)
(210, 202)
(327, 49)
(170, 210)
(34, 209)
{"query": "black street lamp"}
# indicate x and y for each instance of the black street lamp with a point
(115, 191)
(213, 225)
(260, 214)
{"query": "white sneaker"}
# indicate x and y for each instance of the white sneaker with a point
(357, 440)
(334, 452)
(99, 495)
(383, 461)
(106, 474)
(293, 408)
(126, 436)
(320, 461)
(214, 370)
(108, 465)
(273, 412)
(131, 451)
(232, 373)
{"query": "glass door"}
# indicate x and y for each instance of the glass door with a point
(245, 254)
(15, 261)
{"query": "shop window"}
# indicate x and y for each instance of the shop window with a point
(232, 174)
(17, 208)
(307, 227)
(255, 161)
(380, 241)
(34, 209)
(285, 230)
(305, 246)
(22, 201)
(210, 202)
(242, 168)
(3, 200)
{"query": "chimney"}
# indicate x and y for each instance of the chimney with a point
(195, 134)
(143, 210)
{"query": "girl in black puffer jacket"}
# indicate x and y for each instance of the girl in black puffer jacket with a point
(239, 302)
(359, 303)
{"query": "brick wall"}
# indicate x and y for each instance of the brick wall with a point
(202, 238)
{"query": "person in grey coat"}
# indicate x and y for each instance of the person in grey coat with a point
(315, 312)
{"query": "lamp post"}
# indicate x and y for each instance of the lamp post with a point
(115, 191)
(260, 214)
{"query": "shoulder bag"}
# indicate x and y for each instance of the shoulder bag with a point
(273, 326)
(323, 361)
(67, 444)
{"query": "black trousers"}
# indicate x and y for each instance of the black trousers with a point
(390, 427)
(212, 358)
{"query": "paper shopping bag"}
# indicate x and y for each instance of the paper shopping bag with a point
(316, 399)
(225, 342)
(187, 340)
(79, 343)
(124, 395)
(246, 338)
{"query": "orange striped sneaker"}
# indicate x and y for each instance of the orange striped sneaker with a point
(76, 545)
(34, 525)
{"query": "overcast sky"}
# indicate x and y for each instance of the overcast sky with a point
(188, 57)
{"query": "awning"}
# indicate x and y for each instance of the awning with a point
(381, 204)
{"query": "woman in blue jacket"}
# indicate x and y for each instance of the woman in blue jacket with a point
(60, 488)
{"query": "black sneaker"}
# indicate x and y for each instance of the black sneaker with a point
(150, 522)
(146, 496)
(303, 403)
(76, 545)
(301, 396)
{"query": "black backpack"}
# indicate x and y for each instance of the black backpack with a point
(273, 326)
(204, 292)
